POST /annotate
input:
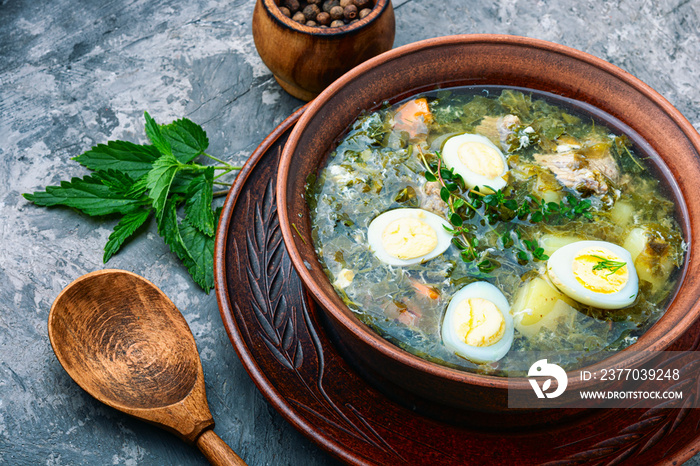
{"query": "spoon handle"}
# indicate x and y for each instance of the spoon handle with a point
(216, 451)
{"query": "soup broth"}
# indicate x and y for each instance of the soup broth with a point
(548, 176)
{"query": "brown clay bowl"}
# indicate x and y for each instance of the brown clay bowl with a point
(306, 59)
(480, 60)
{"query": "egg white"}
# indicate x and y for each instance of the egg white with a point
(559, 269)
(379, 224)
(450, 154)
(478, 354)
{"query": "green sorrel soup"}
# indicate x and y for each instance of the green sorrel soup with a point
(467, 225)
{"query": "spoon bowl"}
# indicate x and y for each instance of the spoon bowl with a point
(126, 344)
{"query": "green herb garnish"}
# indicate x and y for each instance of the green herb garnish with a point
(135, 181)
(449, 194)
(500, 213)
(606, 264)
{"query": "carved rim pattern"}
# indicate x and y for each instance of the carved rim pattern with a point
(273, 325)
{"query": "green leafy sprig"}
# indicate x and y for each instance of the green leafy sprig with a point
(449, 188)
(136, 181)
(498, 210)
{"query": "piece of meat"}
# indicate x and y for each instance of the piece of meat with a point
(506, 126)
(431, 200)
(497, 129)
(584, 174)
(605, 166)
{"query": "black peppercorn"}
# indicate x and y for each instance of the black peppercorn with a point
(285, 11)
(336, 13)
(293, 5)
(337, 23)
(328, 4)
(310, 12)
(362, 4)
(364, 12)
(350, 12)
(323, 18)
(299, 17)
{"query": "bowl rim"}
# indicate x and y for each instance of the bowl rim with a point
(627, 357)
(272, 9)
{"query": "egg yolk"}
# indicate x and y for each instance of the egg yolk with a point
(408, 238)
(591, 276)
(479, 322)
(481, 159)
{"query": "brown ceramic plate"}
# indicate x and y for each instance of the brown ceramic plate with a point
(276, 329)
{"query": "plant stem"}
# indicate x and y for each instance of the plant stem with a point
(226, 170)
(217, 159)
(634, 159)
(450, 204)
(223, 192)
(222, 183)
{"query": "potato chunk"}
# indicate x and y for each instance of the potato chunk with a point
(622, 213)
(539, 304)
(551, 243)
(652, 257)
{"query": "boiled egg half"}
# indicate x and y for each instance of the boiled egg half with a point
(408, 236)
(476, 159)
(478, 325)
(597, 273)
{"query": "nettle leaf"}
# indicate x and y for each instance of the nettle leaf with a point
(138, 189)
(133, 159)
(159, 179)
(86, 194)
(119, 182)
(123, 230)
(182, 180)
(134, 180)
(169, 230)
(186, 138)
(192, 247)
(200, 195)
(200, 248)
(156, 136)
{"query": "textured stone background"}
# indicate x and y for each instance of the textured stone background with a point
(75, 73)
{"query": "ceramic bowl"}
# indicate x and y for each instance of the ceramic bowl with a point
(481, 60)
(306, 59)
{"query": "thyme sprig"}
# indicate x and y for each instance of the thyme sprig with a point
(449, 188)
(496, 209)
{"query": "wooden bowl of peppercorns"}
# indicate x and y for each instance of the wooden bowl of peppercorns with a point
(308, 44)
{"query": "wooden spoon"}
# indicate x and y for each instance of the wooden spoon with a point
(126, 344)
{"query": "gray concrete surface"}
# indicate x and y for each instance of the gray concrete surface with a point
(75, 73)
